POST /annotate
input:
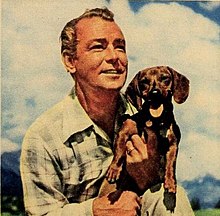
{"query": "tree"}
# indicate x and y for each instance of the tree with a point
(195, 203)
(217, 204)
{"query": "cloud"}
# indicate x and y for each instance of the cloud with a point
(193, 162)
(33, 77)
(175, 35)
(210, 6)
(31, 62)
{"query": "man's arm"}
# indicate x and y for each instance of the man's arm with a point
(43, 187)
(127, 203)
(42, 183)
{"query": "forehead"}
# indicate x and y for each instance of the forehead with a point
(157, 71)
(96, 27)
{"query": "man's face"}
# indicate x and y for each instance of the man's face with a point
(101, 57)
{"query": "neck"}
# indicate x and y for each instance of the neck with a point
(100, 105)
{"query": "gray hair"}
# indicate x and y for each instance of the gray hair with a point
(68, 35)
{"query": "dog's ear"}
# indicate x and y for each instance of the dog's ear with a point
(180, 86)
(133, 94)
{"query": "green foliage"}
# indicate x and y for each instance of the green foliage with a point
(12, 205)
(208, 212)
(10, 214)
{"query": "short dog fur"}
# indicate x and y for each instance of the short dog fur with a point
(151, 92)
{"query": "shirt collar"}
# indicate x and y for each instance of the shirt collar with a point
(75, 118)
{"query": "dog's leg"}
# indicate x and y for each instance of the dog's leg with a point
(106, 188)
(128, 129)
(170, 178)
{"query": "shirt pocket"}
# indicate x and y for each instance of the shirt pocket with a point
(81, 180)
(86, 167)
(85, 172)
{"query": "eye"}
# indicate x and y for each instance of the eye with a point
(144, 84)
(145, 81)
(165, 79)
(97, 47)
(120, 48)
(119, 44)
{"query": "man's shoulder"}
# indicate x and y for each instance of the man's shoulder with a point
(48, 119)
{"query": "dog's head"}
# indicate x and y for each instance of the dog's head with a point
(156, 85)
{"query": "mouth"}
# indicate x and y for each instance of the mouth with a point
(154, 102)
(157, 112)
(112, 72)
(154, 99)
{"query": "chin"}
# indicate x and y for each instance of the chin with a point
(116, 85)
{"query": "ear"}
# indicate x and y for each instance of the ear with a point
(68, 62)
(132, 92)
(180, 86)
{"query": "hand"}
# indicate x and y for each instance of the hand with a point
(119, 203)
(140, 166)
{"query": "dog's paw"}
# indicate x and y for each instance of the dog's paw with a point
(113, 173)
(169, 201)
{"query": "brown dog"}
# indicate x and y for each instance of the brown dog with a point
(155, 122)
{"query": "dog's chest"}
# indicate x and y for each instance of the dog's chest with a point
(155, 131)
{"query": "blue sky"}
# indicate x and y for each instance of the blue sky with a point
(209, 9)
(183, 35)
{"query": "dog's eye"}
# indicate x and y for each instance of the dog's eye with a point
(165, 79)
(145, 81)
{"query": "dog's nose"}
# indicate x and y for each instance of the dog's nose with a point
(155, 97)
(155, 92)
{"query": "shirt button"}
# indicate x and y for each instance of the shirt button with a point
(80, 177)
(79, 138)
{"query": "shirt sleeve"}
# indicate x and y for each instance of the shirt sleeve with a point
(42, 183)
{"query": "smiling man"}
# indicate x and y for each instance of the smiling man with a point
(67, 151)
(99, 69)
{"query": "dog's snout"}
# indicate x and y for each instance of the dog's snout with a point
(155, 97)
(155, 92)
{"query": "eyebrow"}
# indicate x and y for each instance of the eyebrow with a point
(119, 41)
(103, 40)
(99, 40)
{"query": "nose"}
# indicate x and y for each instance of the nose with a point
(155, 92)
(111, 55)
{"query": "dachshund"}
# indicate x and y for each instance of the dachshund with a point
(151, 92)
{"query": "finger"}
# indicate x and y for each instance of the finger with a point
(138, 211)
(139, 200)
(143, 139)
(137, 205)
(138, 208)
(138, 143)
(130, 149)
(129, 145)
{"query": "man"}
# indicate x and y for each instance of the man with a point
(67, 151)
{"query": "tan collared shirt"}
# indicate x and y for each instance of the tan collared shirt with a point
(64, 159)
